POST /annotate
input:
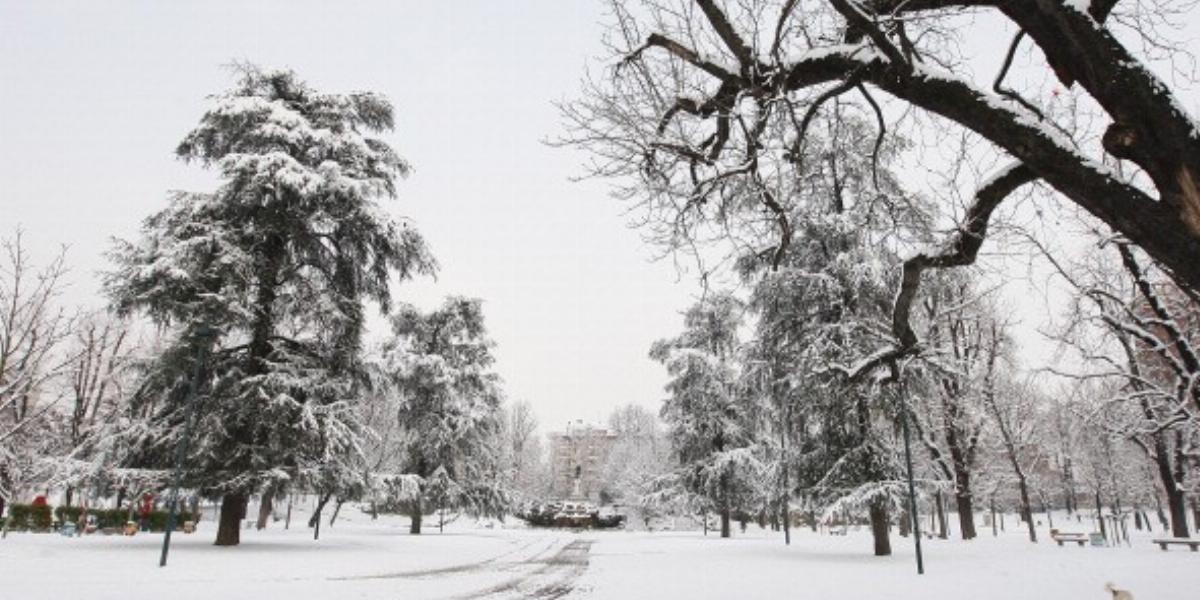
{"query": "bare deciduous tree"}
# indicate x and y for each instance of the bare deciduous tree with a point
(711, 104)
(33, 330)
(1148, 351)
(101, 356)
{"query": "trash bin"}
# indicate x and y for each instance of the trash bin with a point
(1097, 538)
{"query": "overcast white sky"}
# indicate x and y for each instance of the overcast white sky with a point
(94, 96)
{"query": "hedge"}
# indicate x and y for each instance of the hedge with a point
(117, 517)
(27, 517)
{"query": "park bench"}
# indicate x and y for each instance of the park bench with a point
(838, 530)
(1062, 537)
(1193, 544)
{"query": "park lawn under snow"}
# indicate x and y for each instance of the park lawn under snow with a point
(359, 558)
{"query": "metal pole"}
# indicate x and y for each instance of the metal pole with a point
(203, 335)
(912, 491)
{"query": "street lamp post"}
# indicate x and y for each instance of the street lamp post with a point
(912, 492)
(204, 336)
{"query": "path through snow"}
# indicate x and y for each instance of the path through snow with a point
(379, 560)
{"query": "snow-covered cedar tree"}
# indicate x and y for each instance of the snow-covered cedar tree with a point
(268, 276)
(709, 423)
(702, 101)
(440, 366)
(821, 302)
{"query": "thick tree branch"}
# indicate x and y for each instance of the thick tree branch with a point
(720, 24)
(1155, 227)
(860, 21)
(961, 250)
(656, 40)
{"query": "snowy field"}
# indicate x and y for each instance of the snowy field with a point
(360, 559)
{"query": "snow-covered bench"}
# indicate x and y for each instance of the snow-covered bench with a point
(1193, 544)
(1062, 536)
(838, 530)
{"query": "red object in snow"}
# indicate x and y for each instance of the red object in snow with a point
(147, 504)
(39, 501)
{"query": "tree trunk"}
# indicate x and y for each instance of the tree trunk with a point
(315, 519)
(879, 528)
(233, 510)
(337, 508)
(264, 508)
(1069, 487)
(287, 521)
(1158, 509)
(905, 523)
(726, 530)
(961, 460)
(993, 506)
(70, 494)
(1177, 505)
(1026, 509)
(1167, 472)
(120, 497)
(964, 505)
(415, 519)
(1196, 514)
(1100, 517)
(787, 525)
(942, 521)
(317, 522)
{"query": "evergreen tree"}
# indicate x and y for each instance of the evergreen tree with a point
(821, 305)
(279, 261)
(709, 422)
(440, 363)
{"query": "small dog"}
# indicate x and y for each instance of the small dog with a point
(1118, 594)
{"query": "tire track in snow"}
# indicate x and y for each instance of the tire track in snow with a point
(555, 577)
(463, 568)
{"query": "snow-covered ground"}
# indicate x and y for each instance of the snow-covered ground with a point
(358, 558)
